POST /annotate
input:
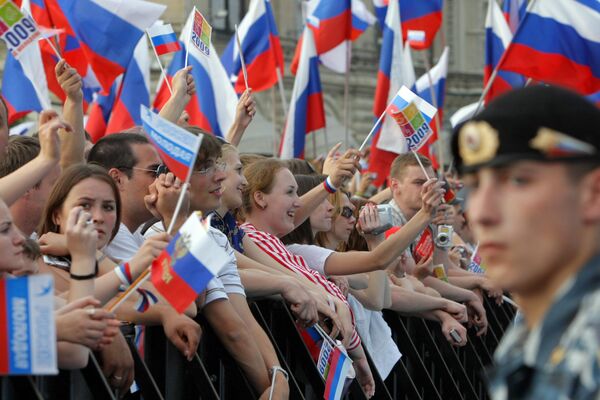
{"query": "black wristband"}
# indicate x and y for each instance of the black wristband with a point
(85, 277)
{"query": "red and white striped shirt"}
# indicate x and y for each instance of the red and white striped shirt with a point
(275, 248)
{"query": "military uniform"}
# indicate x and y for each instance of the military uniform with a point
(560, 359)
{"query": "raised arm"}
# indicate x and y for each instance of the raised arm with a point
(183, 89)
(73, 143)
(391, 248)
(244, 112)
(14, 185)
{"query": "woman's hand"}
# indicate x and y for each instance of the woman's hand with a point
(432, 194)
(54, 244)
(82, 237)
(368, 219)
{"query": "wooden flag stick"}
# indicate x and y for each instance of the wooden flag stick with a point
(421, 164)
(162, 70)
(372, 130)
(239, 44)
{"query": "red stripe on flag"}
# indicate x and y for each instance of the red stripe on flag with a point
(550, 68)
(167, 48)
(120, 119)
(170, 285)
(262, 73)
(3, 329)
(106, 71)
(315, 118)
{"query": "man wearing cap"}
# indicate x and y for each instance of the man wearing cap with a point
(531, 162)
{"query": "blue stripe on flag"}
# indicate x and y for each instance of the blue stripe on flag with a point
(164, 39)
(17, 304)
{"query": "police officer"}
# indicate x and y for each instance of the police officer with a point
(531, 162)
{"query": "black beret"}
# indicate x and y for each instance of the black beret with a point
(543, 123)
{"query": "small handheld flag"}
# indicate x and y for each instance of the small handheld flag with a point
(177, 147)
(201, 33)
(27, 328)
(416, 39)
(163, 39)
(16, 29)
(188, 263)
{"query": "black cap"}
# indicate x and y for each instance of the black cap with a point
(543, 123)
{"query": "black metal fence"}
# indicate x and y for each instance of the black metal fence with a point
(429, 369)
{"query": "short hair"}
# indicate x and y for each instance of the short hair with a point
(210, 147)
(19, 151)
(115, 151)
(405, 160)
(69, 178)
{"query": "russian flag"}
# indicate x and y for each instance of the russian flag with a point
(558, 42)
(26, 310)
(313, 341)
(108, 31)
(177, 147)
(334, 25)
(514, 12)
(20, 92)
(422, 88)
(163, 39)
(261, 48)
(99, 112)
(395, 70)
(417, 15)
(133, 92)
(213, 106)
(306, 113)
(339, 365)
(188, 263)
(497, 38)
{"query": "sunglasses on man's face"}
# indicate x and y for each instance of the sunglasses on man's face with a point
(347, 212)
(154, 170)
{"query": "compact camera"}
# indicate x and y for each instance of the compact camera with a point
(385, 217)
(444, 236)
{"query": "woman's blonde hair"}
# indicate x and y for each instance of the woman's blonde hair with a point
(261, 178)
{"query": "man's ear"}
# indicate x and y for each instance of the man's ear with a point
(590, 198)
(394, 184)
(259, 199)
(118, 176)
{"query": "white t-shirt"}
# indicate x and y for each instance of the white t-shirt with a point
(315, 256)
(125, 244)
(376, 336)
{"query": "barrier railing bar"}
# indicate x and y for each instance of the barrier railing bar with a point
(96, 382)
(143, 377)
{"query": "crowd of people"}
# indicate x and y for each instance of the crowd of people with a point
(319, 235)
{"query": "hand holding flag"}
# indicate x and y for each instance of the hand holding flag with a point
(188, 263)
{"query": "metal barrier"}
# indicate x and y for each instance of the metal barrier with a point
(429, 369)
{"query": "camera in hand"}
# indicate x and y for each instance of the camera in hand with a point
(444, 236)
(385, 217)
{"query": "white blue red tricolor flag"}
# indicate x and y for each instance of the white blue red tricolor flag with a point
(558, 42)
(306, 113)
(514, 12)
(497, 38)
(27, 328)
(177, 147)
(395, 70)
(163, 39)
(188, 263)
(333, 365)
(108, 31)
(334, 25)
(261, 49)
(417, 15)
(213, 106)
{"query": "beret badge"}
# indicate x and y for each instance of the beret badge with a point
(477, 143)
